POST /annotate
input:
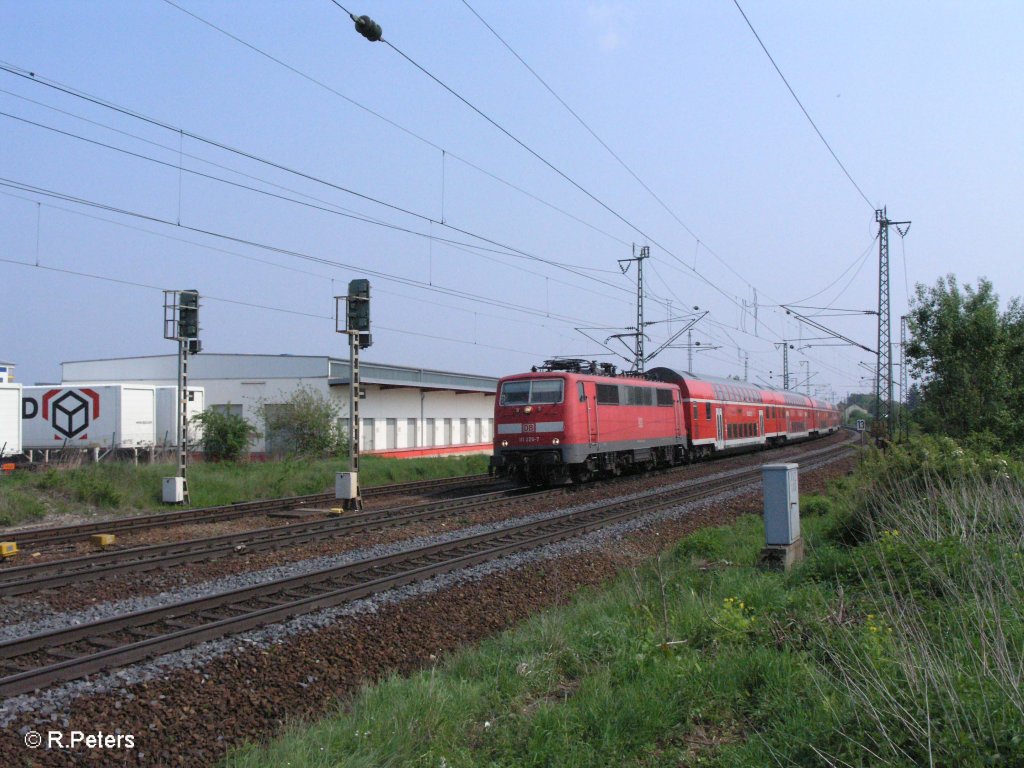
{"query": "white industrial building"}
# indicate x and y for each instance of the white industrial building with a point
(406, 411)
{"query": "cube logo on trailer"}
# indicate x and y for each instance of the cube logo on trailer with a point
(70, 414)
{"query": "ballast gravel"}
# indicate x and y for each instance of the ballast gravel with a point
(191, 707)
(53, 700)
(101, 611)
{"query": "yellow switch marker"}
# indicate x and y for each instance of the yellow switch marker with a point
(8, 548)
(103, 540)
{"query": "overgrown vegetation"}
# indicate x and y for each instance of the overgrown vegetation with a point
(120, 487)
(224, 436)
(304, 425)
(899, 642)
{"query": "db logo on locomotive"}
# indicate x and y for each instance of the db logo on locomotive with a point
(70, 414)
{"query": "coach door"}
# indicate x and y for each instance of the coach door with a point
(588, 395)
(719, 430)
(760, 423)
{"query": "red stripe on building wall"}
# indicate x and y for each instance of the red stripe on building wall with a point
(434, 450)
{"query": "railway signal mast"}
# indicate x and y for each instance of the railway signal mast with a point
(181, 324)
(883, 372)
(357, 327)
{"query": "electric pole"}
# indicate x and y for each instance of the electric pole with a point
(645, 252)
(903, 416)
(786, 346)
(883, 373)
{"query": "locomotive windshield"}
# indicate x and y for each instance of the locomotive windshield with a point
(531, 392)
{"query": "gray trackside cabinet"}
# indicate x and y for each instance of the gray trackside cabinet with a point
(781, 504)
(346, 485)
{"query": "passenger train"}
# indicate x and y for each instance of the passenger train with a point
(573, 419)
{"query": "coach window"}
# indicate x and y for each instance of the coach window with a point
(696, 413)
(707, 411)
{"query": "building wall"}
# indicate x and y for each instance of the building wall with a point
(423, 408)
(249, 380)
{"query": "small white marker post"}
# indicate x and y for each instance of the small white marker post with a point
(783, 544)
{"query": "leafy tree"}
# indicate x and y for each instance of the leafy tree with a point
(960, 353)
(225, 436)
(913, 397)
(304, 425)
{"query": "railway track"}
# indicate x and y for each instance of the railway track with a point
(40, 660)
(19, 580)
(37, 537)
(32, 578)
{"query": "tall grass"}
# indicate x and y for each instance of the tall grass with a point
(936, 668)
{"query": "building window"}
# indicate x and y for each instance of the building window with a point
(463, 431)
(429, 435)
(390, 434)
(230, 409)
(478, 436)
(369, 438)
(490, 430)
(447, 432)
(410, 438)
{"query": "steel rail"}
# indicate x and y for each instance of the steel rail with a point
(38, 576)
(65, 654)
(33, 537)
(23, 579)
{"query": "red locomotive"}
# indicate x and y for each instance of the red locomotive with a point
(573, 419)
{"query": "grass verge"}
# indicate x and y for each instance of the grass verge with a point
(898, 642)
(31, 496)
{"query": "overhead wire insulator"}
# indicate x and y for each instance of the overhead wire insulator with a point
(368, 28)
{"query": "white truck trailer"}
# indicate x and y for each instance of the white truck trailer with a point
(167, 414)
(89, 416)
(10, 419)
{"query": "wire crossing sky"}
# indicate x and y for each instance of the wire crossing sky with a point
(268, 157)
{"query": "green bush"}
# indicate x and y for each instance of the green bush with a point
(225, 436)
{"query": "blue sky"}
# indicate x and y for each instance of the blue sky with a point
(921, 102)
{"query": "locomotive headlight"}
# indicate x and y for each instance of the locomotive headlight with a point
(555, 441)
(528, 409)
(504, 443)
